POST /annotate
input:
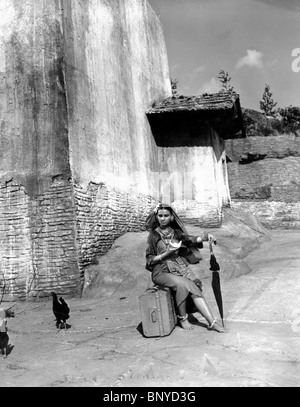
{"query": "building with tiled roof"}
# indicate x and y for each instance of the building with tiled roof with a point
(222, 110)
(193, 165)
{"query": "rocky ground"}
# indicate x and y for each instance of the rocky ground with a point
(104, 345)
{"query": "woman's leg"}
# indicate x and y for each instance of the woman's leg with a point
(182, 309)
(180, 291)
(183, 316)
(205, 311)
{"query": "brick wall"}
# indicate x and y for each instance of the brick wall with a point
(54, 241)
(270, 178)
(264, 178)
(200, 214)
(37, 241)
(103, 214)
(46, 242)
(273, 146)
(272, 215)
(16, 267)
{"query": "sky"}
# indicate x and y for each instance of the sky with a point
(256, 41)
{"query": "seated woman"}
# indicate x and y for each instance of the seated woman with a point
(170, 269)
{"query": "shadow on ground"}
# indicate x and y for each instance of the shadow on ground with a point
(105, 346)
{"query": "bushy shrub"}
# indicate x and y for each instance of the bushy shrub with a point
(286, 120)
(290, 117)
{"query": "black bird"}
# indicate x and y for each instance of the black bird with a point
(4, 339)
(9, 313)
(61, 311)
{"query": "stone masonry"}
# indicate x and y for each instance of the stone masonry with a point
(37, 241)
(103, 214)
(263, 178)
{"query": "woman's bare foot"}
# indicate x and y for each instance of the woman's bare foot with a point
(215, 326)
(184, 323)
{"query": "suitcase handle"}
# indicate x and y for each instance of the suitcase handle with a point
(153, 289)
(156, 288)
(153, 315)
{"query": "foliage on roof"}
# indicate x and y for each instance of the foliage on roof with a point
(221, 111)
(205, 102)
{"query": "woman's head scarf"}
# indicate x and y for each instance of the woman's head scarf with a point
(152, 222)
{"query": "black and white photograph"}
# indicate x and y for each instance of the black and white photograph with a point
(149, 196)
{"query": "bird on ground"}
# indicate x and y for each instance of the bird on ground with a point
(61, 311)
(9, 313)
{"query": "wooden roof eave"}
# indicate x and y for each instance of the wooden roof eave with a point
(215, 109)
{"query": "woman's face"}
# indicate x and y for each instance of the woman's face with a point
(164, 217)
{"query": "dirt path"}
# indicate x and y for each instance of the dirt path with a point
(104, 346)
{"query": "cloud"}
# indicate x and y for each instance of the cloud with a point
(253, 59)
(212, 86)
(292, 5)
(198, 70)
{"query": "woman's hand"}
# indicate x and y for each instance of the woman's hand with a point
(170, 250)
(211, 238)
(206, 237)
(198, 283)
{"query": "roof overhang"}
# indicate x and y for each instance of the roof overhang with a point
(221, 111)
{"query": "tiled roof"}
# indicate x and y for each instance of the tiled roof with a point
(205, 102)
(221, 110)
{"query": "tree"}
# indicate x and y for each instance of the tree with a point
(267, 103)
(225, 79)
(290, 117)
(174, 87)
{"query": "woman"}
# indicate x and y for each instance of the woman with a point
(168, 266)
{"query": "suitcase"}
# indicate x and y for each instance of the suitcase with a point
(157, 311)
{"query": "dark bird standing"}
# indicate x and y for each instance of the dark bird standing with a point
(4, 339)
(61, 311)
(9, 313)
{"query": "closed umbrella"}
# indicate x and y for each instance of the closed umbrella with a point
(215, 283)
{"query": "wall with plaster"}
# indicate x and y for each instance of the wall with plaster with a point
(77, 157)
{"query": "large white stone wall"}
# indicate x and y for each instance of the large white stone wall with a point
(116, 66)
(77, 155)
